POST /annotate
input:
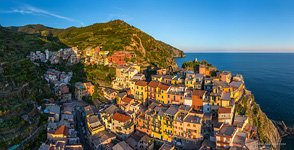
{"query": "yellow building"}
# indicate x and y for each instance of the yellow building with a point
(156, 124)
(162, 93)
(157, 77)
(237, 89)
(177, 80)
(167, 123)
(141, 91)
(94, 125)
(190, 80)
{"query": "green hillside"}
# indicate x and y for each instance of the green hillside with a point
(112, 36)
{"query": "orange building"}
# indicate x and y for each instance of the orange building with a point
(152, 89)
(176, 95)
(60, 133)
(202, 69)
(120, 57)
(197, 99)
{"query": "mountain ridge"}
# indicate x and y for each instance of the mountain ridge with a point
(112, 36)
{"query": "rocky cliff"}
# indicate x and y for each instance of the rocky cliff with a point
(268, 134)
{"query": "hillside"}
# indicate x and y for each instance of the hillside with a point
(21, 83)
(115, 35)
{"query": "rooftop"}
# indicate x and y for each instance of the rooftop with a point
(153, 84)
(224, 110)
(61, 130)
(199, 92)
(121, 146)
(192, 119)
(227, 130)
(141, 83)
(163, 86)
(172, 110)
(236, 84)
(121, 117)
(166, 146)
(127, 99)
(111, 109)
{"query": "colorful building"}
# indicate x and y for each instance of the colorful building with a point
(94, 125)
(123, 125)
(83, 89)
(141, 91)
(197, 99)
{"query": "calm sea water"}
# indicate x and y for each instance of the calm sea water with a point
(269, 76)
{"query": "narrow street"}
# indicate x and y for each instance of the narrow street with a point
(79, 128)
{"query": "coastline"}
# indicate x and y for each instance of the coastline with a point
(273, 135)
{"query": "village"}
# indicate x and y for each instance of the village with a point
(173, 109)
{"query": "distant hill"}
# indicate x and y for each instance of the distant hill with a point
(112, 36)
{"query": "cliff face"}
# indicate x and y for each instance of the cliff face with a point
(267, 132)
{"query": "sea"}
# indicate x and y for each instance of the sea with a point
(270, 77)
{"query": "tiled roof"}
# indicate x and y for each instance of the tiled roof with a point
(199, 92)
(153, 84)
(223, 110)
(127, 99)
(61, 130)
(141, 83)
(163, 86)
(121, 117)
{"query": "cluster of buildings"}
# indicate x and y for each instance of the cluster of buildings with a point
(60, 83)
(69, 55)
(96, 56)
(61, 133)
(90, 56)
(126, 76)
(180, 106)
(114, 127)
(179, 109)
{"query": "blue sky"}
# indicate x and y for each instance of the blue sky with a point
(191, 25)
